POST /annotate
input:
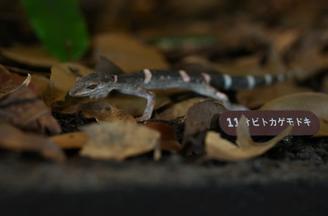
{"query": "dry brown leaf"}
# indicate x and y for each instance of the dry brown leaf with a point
(23, 109)
(200, 118)
(74, 140)
(127, 52)
(119, 140)
(259, 96)
(11, 82)
(29, 55)
(222, 149)
(40, 85)
(179, 109)
(239, 66)
(62, 78)
(20, 106)
(134, 105)
(15, 140)
(282, 39)
(126, 105)
(103, 111)
(310, 101)
(307, 56)
(168, 135)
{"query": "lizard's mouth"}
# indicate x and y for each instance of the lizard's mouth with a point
(94, 94)
(79, 93)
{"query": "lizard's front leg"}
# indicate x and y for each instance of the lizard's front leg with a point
(148, 95)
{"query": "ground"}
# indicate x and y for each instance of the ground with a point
(292, 177)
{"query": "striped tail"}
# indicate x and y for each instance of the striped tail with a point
(227, 82)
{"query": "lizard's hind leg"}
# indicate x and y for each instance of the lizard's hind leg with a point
(209, 91)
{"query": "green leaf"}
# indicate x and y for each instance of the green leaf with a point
(60, 27)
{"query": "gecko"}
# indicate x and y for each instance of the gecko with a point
(108, 77)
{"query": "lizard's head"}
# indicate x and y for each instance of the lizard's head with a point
(99, 83)
(94, 85)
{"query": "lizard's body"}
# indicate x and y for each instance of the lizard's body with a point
(108, 77)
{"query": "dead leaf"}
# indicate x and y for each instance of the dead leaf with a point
(179, 109)
(74, 140)
(20, 106)
(240, 65)
(29, 55)
(40, 85)
(11, 82)
(259, 96)
(134, 105)
(282, 39)
(103, 111)
(200, 118)
(119, 140)
(127, 52)
(310, 101)
(306, 55)
(15, 140)
(168, 140)
(23, 109)
(125, 106)
(222, 149)
(62, 79)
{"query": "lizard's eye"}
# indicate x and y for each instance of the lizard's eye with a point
(92, 86)
(114, 78)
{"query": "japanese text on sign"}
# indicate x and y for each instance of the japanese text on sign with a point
(269, 122)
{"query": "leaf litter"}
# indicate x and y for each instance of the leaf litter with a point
(178, 126)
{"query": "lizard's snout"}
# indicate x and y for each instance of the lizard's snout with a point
(74, 92)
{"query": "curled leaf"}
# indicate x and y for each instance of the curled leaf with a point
(221, 149)
(200, 118)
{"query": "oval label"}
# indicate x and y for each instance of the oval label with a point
(271, 122)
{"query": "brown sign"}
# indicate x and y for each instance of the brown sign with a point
(271, 122)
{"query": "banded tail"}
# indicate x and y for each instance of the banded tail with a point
(227, 82)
